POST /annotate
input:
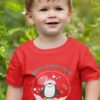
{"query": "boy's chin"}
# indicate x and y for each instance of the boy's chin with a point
(51, 34)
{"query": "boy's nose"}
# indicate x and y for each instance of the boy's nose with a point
(51, 14)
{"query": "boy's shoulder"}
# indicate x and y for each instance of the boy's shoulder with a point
(24, 46)
(77, 43)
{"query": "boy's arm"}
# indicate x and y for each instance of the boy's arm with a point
(92, 90)
(14, 93)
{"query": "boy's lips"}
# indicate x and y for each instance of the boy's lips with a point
(52, 24)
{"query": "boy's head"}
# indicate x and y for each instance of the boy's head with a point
(49, 16)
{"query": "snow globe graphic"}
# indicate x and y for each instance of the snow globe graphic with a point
(51, 85)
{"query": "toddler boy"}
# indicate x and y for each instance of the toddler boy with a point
(52, 66)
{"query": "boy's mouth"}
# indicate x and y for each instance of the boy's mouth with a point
(52, 24)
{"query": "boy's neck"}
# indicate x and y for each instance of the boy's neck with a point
(50, 42)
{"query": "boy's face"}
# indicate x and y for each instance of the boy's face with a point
(49, 17)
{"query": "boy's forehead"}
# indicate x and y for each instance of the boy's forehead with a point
(48, 1)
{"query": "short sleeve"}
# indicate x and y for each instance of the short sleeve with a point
(14, 72)
(89, 70)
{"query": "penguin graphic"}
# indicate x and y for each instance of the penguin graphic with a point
(49, 91)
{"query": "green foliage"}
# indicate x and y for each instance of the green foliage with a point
(14, 31)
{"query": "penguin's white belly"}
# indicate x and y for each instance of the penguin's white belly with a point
(49, 92)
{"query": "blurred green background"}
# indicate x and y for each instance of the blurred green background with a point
(14, 30)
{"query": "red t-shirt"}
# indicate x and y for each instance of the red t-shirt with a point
(52, 74)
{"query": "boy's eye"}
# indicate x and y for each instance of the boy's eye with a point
(44, 9)
(59, 9)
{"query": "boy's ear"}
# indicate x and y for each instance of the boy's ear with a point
(29, 18)
(70, 13)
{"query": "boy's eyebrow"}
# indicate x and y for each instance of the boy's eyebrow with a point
(43, 6)
(48, 0)
(59, 5)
